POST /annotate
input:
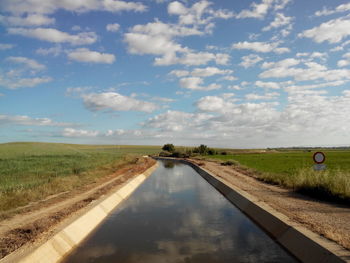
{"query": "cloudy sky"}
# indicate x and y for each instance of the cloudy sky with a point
(226, 73)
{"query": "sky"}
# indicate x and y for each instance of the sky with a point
(227, 73)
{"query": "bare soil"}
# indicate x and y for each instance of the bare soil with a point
(328, 219)
(37, 221)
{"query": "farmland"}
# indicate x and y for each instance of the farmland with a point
(33, 171)
(294, 170)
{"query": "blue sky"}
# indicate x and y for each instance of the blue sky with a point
(245, 74)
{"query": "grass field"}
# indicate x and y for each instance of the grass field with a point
(294, 170)
(32, 171)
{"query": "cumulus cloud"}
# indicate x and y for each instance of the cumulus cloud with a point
(30, 63)
(54, 51)
(310, 71)
(250, 60)
(260, 10)
(29, 20)
(113, 27)
(16, 83)
(116, 102)
(29, 121)
(263, 47)
(70, 132)
(86, 55)
(339, 9)
(196, 83)
(55, 36)
(266, 96)
(333, 31)
(279, 21)
(267, 85)
(19, 7)
(158, 38)
(345, 61)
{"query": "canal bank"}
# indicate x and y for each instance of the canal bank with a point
(78, 228)
(304, 244)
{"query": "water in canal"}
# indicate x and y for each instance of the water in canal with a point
(177, 216)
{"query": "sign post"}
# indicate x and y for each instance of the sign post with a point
(319, 159)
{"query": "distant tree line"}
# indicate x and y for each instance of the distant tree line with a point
(169, 150)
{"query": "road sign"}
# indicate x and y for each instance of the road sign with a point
(319, 157)
(319, 167)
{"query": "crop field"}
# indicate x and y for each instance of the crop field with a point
(32, 171)
(294, 170)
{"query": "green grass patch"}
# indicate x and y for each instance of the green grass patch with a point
(294, 170)
(32, 171)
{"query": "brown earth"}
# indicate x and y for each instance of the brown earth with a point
(37, 221)
(330, 220)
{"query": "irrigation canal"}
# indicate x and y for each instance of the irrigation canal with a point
(177, 216)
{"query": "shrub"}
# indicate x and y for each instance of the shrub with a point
(211, 151)
(164, 154)
(229, 163)
(169, 147)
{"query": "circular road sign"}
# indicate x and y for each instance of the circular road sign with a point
(319, 157)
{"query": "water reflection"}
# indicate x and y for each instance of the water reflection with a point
(176, 216)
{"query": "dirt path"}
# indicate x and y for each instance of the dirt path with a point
(37, 221)
(328, 219)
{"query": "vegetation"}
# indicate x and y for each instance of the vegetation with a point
(169, 147)
(32, 171)
(294, 170)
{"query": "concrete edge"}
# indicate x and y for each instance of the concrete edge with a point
(302, 243)
(64, 241)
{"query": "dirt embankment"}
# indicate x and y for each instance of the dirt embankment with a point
(328, 219)
(37, 221)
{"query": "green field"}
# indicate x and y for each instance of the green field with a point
(32, 171)
(294, 170)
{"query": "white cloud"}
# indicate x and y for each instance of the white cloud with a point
(260, 10)
(86, 55)
(179, 73)
(266, 96)
(310, 71)
(209, 71)
(55, 36)
(263, 47)
(15, 83)
(250, 60)
(196, 83)
(344, 62)
(234, 87)
(29, 20)
(298, 88)
(28, 121)
(332, 31)
(70, 132)
(113, 27)
(54, 51)
(30, 63)
(267, 85)
(50, 6)
(200, 13)
(5, 46)
(279, 21)
(117, 102)
(158, 38)
(340, 8)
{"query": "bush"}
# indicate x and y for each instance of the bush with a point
(211, 152)
(223, 153)
(229, 163)
(164, 154)
(180, 155)
(169, 147)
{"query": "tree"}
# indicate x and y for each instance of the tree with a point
(202, 149)
(169, 147)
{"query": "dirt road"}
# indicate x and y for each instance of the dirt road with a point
(39, 221)
(328, 219)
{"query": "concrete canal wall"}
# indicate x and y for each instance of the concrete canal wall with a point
(64, 241)
(304, 244)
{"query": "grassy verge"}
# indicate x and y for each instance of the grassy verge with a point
(294, 170)
(33, 171)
